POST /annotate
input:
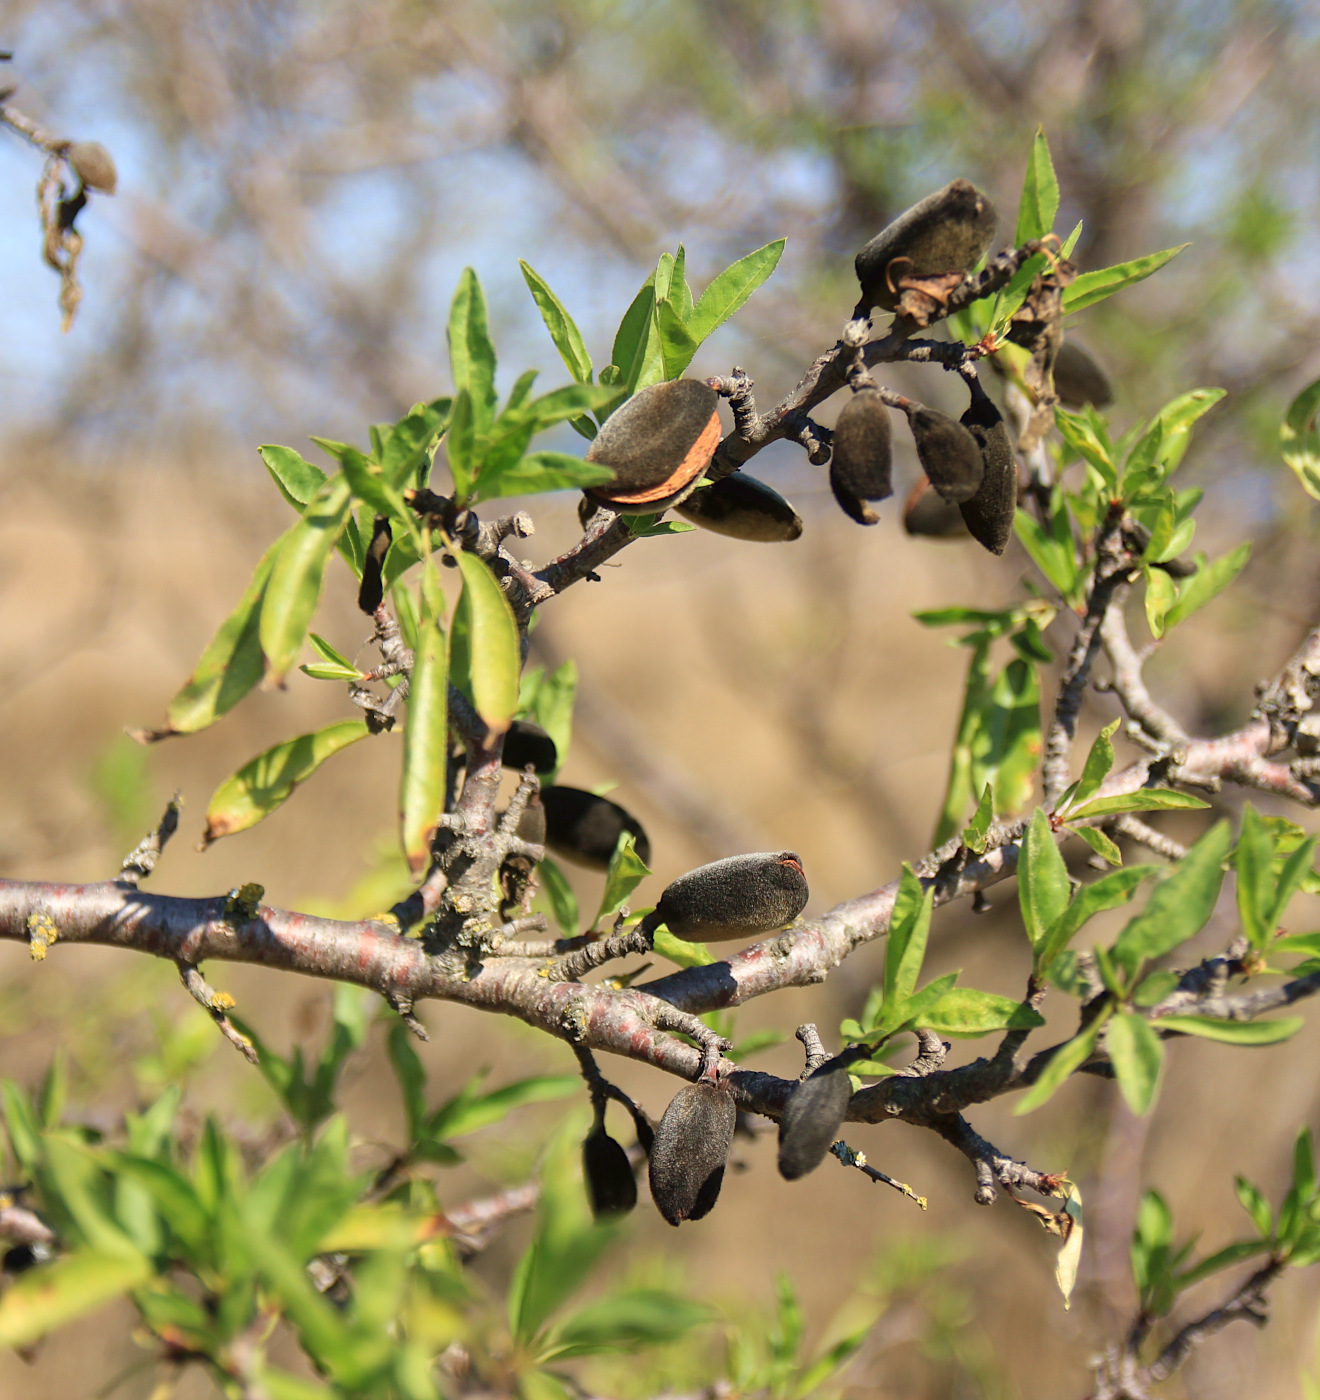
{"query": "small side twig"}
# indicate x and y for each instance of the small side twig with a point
(217, 1004)
(1136, 830)
(141, 860)
(850, 1157)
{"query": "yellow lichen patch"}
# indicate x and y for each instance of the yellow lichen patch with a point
(222, 1001)
(243, 901)
(41, 934)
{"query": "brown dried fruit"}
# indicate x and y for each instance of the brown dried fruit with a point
(948, 453)
(1079, 380)
(585, 828)
(371, 591)
(690, 1149)
(863, 456)
(948, 231)
(611, 1186)
(737, 897)
(742, 508)
(812, 1120)
(528, 745)
(657, 443)
(989, 514)
(927, 513)
(93, 165)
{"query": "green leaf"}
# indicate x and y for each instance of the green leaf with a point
(553, 706)
(1165, 441)
(1207, 582)
(963, 1012)
(1079, 431)
(485, 655)
(1099, 843)
(1137, 1054)
(974, 836)
(542, 471)
(297, 479)
(1144, 800)
(471, 354)
(677, 345)
(265, 782)
(900, 1011)
(627, 871)
(1292, 876)
(294, 587)
(469, 1109)
(51, 1295)
(1098, 763)
(411, 1076)
(1221, 1259)
(1233, 1032)
(625, 1321)
(423, 783)
(1254, 863)
(1108, 892)
(1040, 193)
(1299, 438)
(1181, 905)
(461, 444)
(909, 928)
(1161, 595)
(231, 664)
(559, 893)
(563, 330)
(958, 790)
(643, 527)
(1057, 561)
(729, 291)
(680, 951)
(1070, 1056)
(1006, 747)
(637, 345)
(1256, 1206)
(1092, 287)
(1043, 888)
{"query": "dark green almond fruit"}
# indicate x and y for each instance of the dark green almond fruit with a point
(1079, 380)
(532, 823)
(863, 455)
(93, 165)
(948, 453)
(585, 828)
(742, 508)
(812, 1120)
(949, 231)
(989, 514)
(611, 1186)
(927, 513)
(527, 745)
(737, 897)
(657, 443)
(690, 1149)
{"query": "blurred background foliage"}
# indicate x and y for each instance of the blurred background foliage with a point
(299, 187)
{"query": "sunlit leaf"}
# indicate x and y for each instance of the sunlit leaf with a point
(1092, 287)
(485, 656)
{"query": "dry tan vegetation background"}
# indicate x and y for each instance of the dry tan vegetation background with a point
(784, 691)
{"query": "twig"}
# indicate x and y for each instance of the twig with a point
(217, 1004)
(141, 860)
(1136, 830)
(852, 1158)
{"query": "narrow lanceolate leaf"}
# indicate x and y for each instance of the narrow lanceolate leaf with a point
(1098, 763)
(677, 343)
(1253, 863)
(962, 1011)
(58, 1293)
(485, 658)
(1070, 1056)
(425, 736)
(729, 291)
(1137, 1055)
(1207, 582)
(543, 471)
(265, 782)
(1233, 1032)
(295, 581)
(1299, 438)
(1146, 800)
(298, 480)
(1092, 287)
(1040, 193)
(471, 354)
(229, 667)
(1161, 595)
(563, 330)
(1100, 844)
(1180, 907)
(1042, 879)
(627, 871)
(909, 929)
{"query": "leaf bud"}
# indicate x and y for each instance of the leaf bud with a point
(862, 457)
(989, 514)
(611, 1186)
(691, 1146)
(948, 231)
(657, 444)
(737, 897)
(585, 828)
(948, 453)
(93, 165)
(812, 1119)
(528, 745)
(742, 508)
